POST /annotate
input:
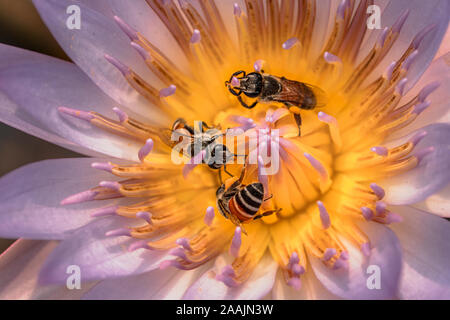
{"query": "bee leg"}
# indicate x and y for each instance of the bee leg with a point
(244, 170)
(235, 92)
(243, 230)
(238, 73)
(227, 83)
(225, 169)
(237, 223)
(239, 155)
(246, 105)
(268, 198)
(253, 104)
(267, 213)
(298, 120)
(220, 176)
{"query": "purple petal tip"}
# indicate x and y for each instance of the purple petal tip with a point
(366, 248)
(235, 82)
(142, 52)
(381, 151)
(118, 232)
(84, 196)
(428, 89)
(144, 215)
(324, 216)
(400, 22)
(123, 117)
(129, 31)
(196, 36)
(236, 242)
(394, 218)
(237, 10)
(418, 137)
(401, 86)
(388, 73)
(367, 213)
(138, 245)
(119, 65)
(295, 283)
(328, 254)
(331, 58)
(379, 191)
(258, 65)
(110, 185)
(290, 43)
(105, 166)
(167, 92)
(103, 212)
(209, 216)
(80, 114)
(145, 150)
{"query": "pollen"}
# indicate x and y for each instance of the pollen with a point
(326, 180)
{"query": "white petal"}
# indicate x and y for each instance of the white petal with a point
(439, 109)
(37, 85)
(311, 289)
(169, 284)
(99, 35)
(425, 241)
(19, 269)
(141, 17)
(445, 45)
(10, 115)
(422, 14)
(31, 197)
(99, 256)
(352, 283)
(438, 203)
(257, 286)
(431, 175)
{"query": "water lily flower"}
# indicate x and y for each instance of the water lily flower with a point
(361, 194)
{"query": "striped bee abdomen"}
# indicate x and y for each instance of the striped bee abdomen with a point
(246, 203)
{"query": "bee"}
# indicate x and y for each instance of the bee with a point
(240, 203)
(264, 87)
(202, 139)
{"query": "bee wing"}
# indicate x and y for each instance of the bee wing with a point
(321, 97)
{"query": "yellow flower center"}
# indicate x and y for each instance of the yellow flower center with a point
(326, 182)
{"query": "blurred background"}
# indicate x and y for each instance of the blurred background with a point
(21, 26)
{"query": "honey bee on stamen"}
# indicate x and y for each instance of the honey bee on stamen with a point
(264, 87)
(202, 139)
(241, 203)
